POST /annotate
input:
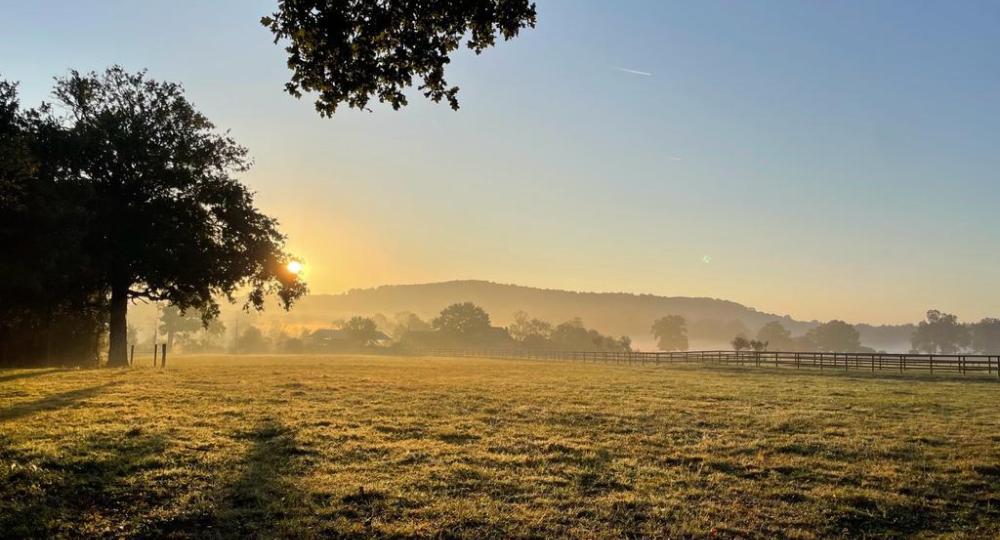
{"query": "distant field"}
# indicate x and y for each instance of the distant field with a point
(319, 446)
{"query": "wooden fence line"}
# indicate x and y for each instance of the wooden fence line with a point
(976, 364)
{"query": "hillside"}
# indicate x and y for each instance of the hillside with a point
(712, 321)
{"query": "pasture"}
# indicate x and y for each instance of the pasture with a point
(352, 446)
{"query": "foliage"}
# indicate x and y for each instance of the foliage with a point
(529, 329)
(52, 310)
(362, 331)
(740, 343)
(166, 219)
(777, 336)
(572, 335)
(251, 341)
(834, 336)
(463, 319)
(986, 336)
(348, 51)
(174, 321)
(670, 333)
(940, 333)
(758, 345)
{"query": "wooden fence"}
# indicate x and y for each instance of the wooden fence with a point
(965, 364)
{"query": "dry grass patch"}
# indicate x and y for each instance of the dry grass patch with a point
(315, 446)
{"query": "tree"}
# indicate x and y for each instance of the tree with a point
(940, 333)
(349, 51)
(362, 331)
(671, 333)
(167, 220)
(465, 319)
(986, 336)
(408, 322)
(758, 345)
(174, 321)
(776, 336)
(524, 329)
(740, 343)
(835, 336)
(52, 310)
(252, 340)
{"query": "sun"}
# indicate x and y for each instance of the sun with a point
(294, 267)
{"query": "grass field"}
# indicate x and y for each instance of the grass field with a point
(361, 446)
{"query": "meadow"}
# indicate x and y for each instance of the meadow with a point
(355, 446)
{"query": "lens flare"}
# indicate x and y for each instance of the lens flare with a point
(294, 267)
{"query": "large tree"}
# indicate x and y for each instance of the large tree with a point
(776, 336)
(670, 333)
(362, 331)
(940, 333)
(986, 336)
(167, 218)
(465, 319)
(834, 336)
(350, 51)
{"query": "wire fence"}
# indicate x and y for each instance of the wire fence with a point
(964, 364)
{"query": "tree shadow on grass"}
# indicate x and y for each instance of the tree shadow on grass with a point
(86, 489)
(260, 501)
(26, 374)
(52, 402)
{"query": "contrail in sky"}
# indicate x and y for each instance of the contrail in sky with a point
(634, 72)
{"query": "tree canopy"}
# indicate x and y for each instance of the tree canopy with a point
(940, 333)
(670, 333)
(146, 203)
(462, 319)
(350, 51)
(834, 336)
(363, 331)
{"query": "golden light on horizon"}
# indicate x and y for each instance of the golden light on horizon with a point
(294, 267)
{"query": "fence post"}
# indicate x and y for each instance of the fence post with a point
(932, 363)
(163, 356)
(131, 355)
(155, 350)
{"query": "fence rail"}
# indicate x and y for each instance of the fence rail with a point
(965, 364)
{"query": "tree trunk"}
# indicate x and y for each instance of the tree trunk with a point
(118, 327)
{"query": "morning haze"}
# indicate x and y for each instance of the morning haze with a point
(824, 162)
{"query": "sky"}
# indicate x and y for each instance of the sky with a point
(818, 159)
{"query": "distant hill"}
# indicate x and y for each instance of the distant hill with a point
(712, 321)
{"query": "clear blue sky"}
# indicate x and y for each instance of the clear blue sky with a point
(821, 159)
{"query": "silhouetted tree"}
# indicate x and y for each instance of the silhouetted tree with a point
(463, 319)
(940, 333)
(834, 336)
(173, 321)
(670, 333)
(776, 336)
(528, 329)
(758, 345)
(986, 336)
(252, 340)
(572, 335)
(167, 220)
(361, 330)
(408, 322)
(740, 343)
(349, 51)
(52, 309)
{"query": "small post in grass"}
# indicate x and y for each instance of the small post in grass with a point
(155, 349)
(163, 356)
(131, 355)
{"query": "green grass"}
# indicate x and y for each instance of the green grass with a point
(317, 446)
